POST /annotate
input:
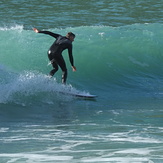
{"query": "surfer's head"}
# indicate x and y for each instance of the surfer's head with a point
(70, 36)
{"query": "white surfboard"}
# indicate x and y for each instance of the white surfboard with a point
(84, 96)
(81, 95)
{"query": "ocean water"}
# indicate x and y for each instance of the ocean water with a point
(118, 55)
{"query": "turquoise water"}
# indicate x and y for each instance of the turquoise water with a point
(118, 54)
(71, 13)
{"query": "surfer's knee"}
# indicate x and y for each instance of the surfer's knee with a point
(52, 72)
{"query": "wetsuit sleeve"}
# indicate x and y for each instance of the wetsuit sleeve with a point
(50, 33)
(70, 55)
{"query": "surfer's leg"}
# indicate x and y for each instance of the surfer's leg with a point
(63, 67)
(64, 76)
(50, 55)
(55, 66)
(53, 62)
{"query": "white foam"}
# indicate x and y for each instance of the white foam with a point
(136, 139)
(140, 151)
(15, 27)
(4, 129)
(36, 157)
(116, 159)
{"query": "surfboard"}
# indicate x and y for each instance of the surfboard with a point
(74, 93)
(80, 95)
(84, 96)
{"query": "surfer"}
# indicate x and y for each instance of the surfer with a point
(55, 52)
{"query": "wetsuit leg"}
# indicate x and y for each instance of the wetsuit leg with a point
(62, 65)
(55, 66)
(53, 62)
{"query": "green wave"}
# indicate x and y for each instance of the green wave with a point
(128, 56)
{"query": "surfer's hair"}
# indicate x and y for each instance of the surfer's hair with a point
(70, 34)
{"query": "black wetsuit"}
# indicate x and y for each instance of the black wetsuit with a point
(55, 53)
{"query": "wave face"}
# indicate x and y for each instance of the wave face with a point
(113, 59)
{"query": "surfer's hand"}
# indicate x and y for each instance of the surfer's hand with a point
(36, 30)
(73, 68)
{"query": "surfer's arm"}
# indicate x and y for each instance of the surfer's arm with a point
(46, 32)
(71, 58)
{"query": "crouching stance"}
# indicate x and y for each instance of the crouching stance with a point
(55, 52)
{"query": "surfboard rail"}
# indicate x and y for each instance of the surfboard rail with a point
(80, 95)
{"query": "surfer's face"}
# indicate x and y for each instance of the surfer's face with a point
(71, 38)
